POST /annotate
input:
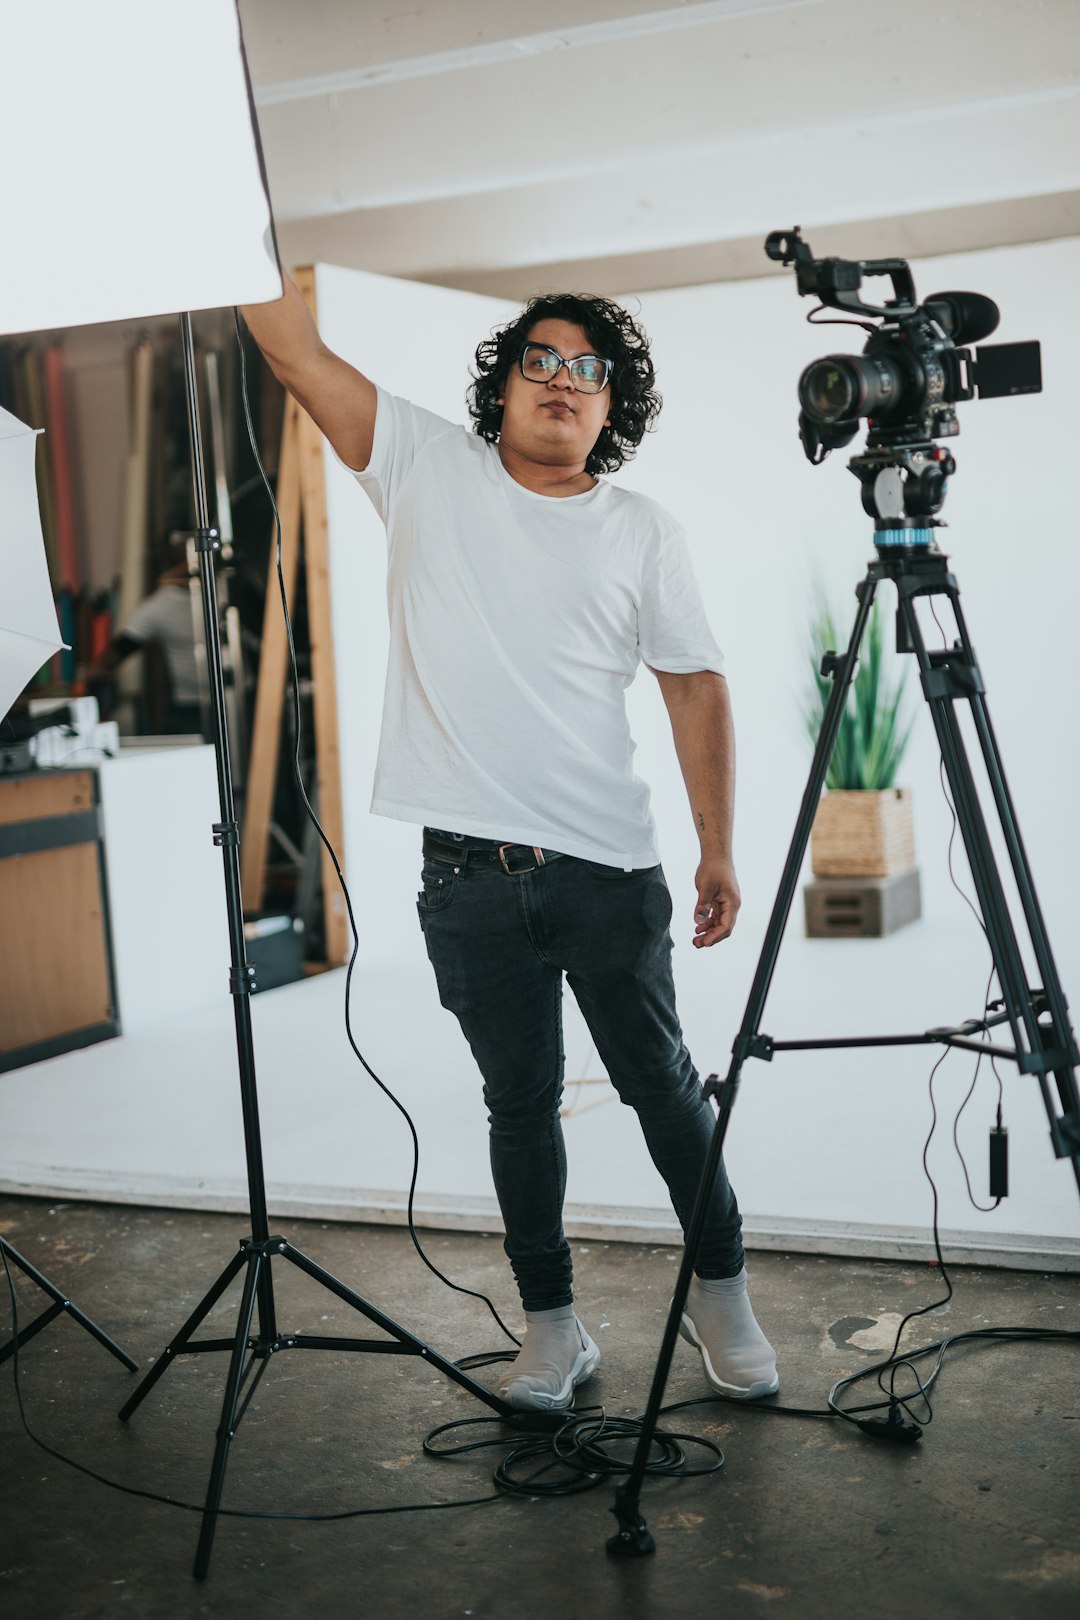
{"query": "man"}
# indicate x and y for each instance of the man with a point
(523, 592)
(165, 617)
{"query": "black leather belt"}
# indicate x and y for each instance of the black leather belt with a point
(512, 859)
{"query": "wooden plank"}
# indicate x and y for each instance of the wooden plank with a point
(324, 681)
(56, 417)
(137, 484)
(273, 666)
(32, 798)
(133, 545)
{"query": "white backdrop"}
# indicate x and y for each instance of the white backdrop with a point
(818, 1140)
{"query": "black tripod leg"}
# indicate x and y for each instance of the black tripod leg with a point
(227, 1427)
(176, 1346)
(633, 1538)
(1010, 828)
(1004, 946)
(1064, 1127)
(1018, 859)
(947, 679)
(60, 1304)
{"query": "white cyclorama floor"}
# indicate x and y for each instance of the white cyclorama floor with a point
(155, 1118)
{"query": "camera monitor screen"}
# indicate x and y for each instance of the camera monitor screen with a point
(1002, 369)
(131, 179)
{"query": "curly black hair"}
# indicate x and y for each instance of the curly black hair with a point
(635, 402)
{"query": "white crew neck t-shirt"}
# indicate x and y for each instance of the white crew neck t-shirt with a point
(517, 621)
(167, 617)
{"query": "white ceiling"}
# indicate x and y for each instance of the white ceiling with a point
(643, 143)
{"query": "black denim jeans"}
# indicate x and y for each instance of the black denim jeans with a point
(500, 946)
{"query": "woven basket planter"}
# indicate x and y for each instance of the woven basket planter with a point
(864, 833)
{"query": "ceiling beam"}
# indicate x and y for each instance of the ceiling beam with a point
(914, 236)
(514, 48)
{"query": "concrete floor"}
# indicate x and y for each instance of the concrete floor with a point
(808, 1517)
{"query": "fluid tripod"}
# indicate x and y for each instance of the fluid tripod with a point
(257, 1337)
(1043, 1043)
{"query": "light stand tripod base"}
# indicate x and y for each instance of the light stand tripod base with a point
(250, 1350)
(60, 1304)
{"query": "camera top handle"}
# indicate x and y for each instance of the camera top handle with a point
(837, 281)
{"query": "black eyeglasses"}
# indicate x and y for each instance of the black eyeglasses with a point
(588, 373)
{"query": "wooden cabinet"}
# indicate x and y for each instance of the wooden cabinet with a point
(56, 982)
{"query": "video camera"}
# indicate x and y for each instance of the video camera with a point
(916, 364)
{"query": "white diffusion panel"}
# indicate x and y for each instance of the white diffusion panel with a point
(130, 180)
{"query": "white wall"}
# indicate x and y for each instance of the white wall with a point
(170, 937)
(839, 1135)
(825, 1138)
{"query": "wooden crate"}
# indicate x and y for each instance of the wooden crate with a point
(56, 990)
(864, 833)
(861, 908)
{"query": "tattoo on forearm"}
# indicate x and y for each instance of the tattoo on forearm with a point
(701, 821)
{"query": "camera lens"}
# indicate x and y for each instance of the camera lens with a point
(845, 386)
(827, 390)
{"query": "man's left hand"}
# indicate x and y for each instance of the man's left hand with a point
(718, 901)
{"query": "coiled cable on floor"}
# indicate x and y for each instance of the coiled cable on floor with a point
(580, 1445)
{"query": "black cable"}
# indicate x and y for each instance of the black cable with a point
(309, 810)
(579, 1449)
(984, 1209)
(940, 1348)
(837, 320)
(894, 1361)
(577, 1442)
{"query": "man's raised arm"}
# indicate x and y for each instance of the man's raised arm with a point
(337, 396)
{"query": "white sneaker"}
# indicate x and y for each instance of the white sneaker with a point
(739, 1360)
(548, 1388)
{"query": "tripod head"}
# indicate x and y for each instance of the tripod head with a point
(914, 369)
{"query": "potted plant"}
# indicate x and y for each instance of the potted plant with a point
(864, 828)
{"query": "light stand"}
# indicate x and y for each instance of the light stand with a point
(257, 1336)
(1043, 1043)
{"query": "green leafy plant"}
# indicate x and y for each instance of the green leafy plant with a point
(873, 734)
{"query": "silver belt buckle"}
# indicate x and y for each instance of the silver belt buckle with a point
(538, 859)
